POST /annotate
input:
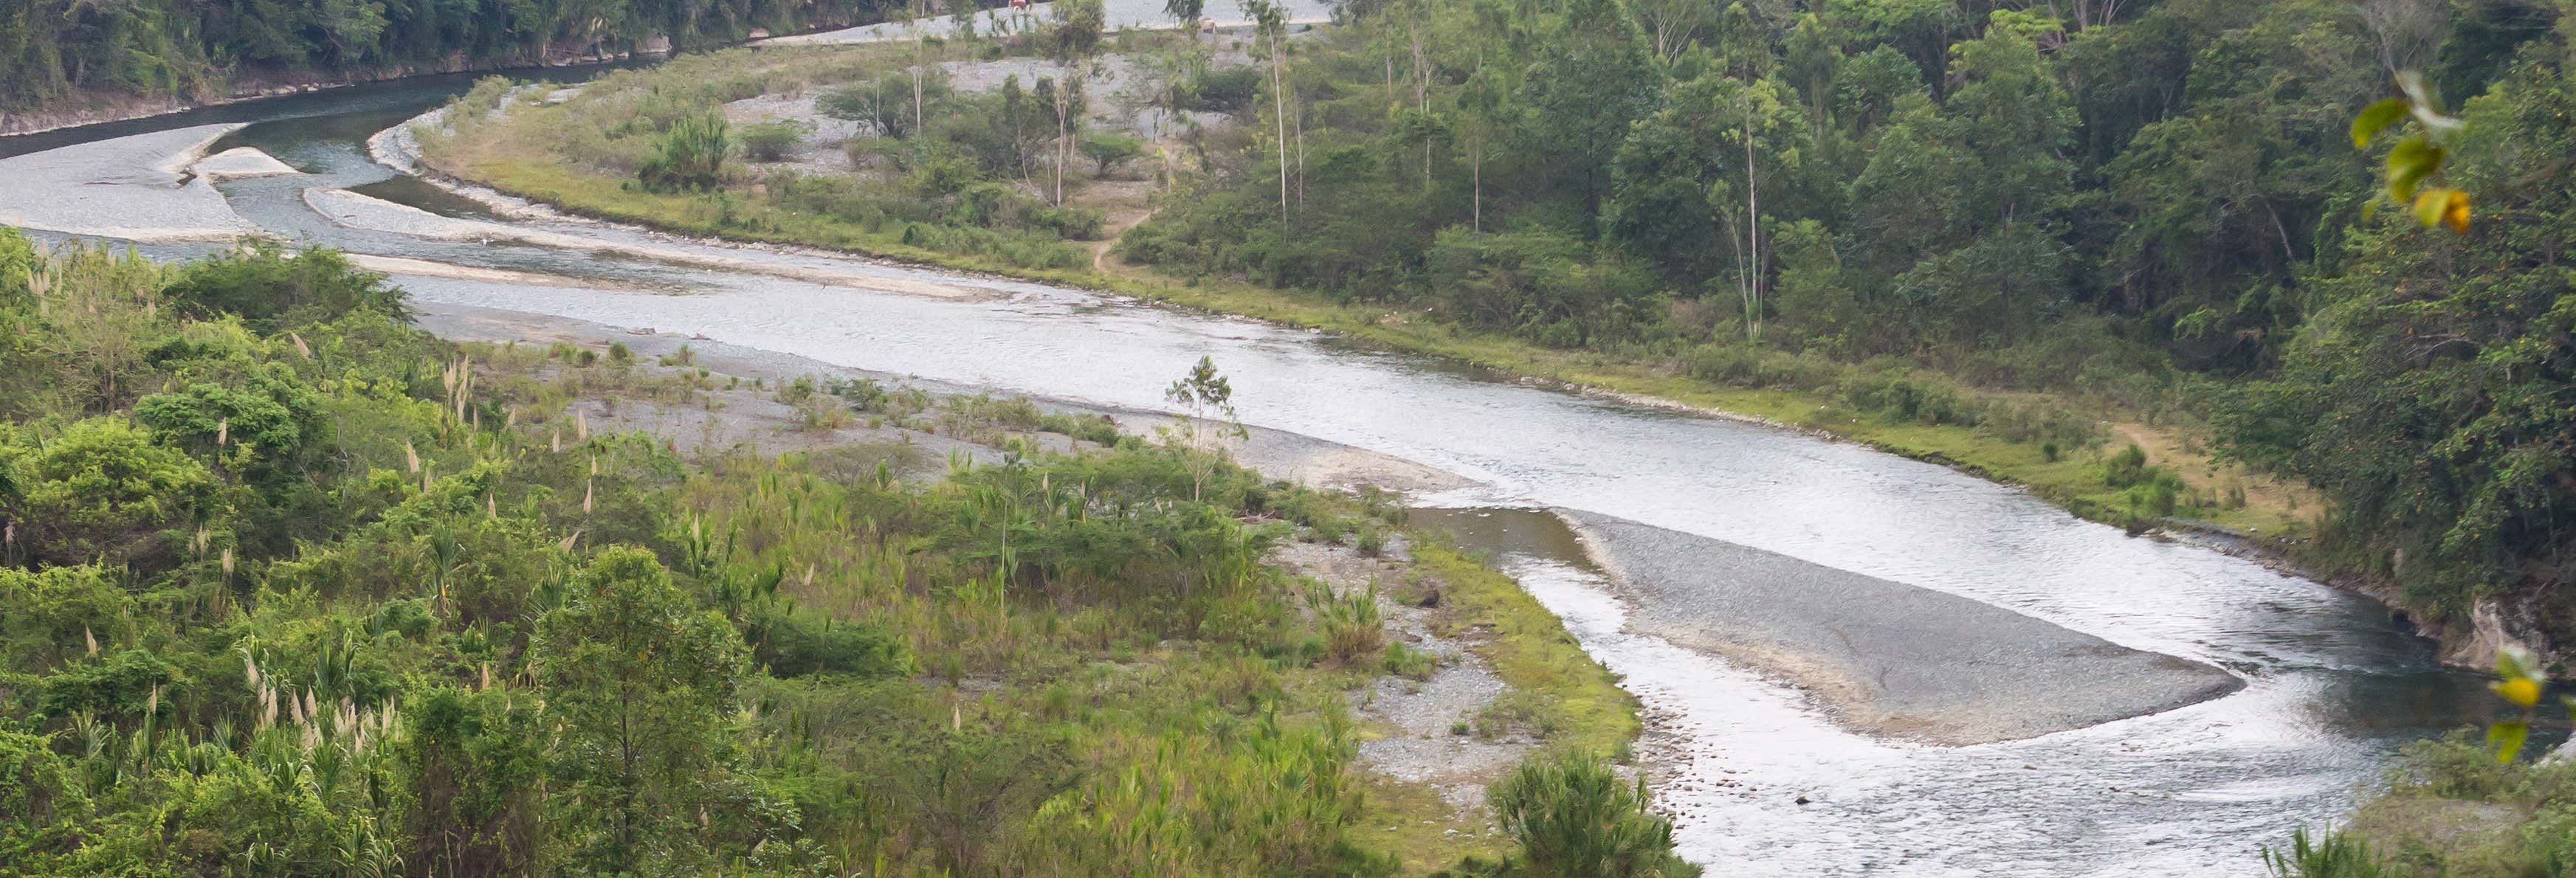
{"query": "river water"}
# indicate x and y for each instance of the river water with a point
(2333, 684)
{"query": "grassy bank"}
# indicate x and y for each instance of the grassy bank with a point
(513, 155)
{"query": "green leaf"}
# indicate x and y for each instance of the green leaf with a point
(2509, 662)
(2378, 115)
(2505, 738)
(2409, 162)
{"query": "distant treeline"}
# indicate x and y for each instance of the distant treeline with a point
(54, 50)
(2154, 203)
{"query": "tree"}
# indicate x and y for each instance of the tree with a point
(1591, 77)
(1109, 150)
(1696, 170)
(1270, 35)
(105, 490)
(1484, 113)
(1186, 13)
(1960, 207)
(1203, 394)
(1066, 98)
(642, 687)
(1078, 27)
(2432, 391)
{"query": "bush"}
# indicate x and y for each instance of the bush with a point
(270, 288)
(772, 141)
(58, 612)
(1352, 628)
(1221, 91)
(1569, 814)
(2334, 855)
(105, 490)
(2126, 468)
(1904, 398)
(797, 644)
(689, 157)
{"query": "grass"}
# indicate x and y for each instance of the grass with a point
(1423, 829)
(1561, 688)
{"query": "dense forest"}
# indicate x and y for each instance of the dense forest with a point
(59, 51)
(2153, 205)
(294, 588)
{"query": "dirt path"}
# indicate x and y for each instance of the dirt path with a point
(1122, 204)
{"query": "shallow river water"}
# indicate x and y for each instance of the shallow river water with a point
(2333, 684)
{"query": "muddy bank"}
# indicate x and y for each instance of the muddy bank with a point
(1886, 658)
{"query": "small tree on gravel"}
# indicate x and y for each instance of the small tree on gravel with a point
(1204, 396)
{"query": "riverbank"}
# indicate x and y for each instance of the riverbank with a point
(1486, 657)
(2270, 514)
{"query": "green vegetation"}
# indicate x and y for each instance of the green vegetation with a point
(1573, 816)
(56, 53)
(2450, 808)
(292, 588)
(1934, 211)
(1993, 238)
(986, 175)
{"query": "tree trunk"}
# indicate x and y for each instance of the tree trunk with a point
(1279, 112)
(1752, 239)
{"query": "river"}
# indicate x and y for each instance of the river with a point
(1760, 780)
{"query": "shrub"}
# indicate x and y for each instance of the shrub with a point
(771, 141)
(270, 288)
(1352, 628)
(798, 644)
(1569, 814)
(2126, 468)
(2332, 855)
(58, 612)
(689, 157)
(1221, 91)
(1909, 399)
(104, 489)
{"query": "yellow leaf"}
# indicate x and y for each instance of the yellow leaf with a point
(2429, 205)
(2522, 691)
(2455, 212)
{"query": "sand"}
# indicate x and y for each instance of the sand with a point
(131, 188)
